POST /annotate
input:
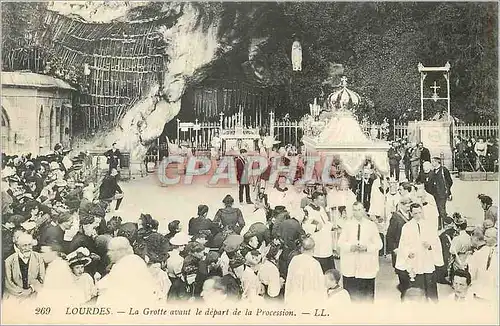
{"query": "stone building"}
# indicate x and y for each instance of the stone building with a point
(36, 113)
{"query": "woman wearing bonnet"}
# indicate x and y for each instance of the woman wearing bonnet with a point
(78, 260)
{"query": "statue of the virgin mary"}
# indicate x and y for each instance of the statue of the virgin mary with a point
(296, 56)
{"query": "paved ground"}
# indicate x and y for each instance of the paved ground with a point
(166, 203)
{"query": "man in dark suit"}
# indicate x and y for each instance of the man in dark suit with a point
(440, 183)
(398, 219)
(364, 188)
(394, 158)
(114, 157)
(425, 155)
(242, 177)
(110, 190)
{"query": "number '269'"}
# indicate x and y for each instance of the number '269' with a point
(42, 311)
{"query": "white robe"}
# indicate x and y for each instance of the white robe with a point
(278, 198)
(323, 239)
(363, 265)
(162, 281)
(337, 198)
(128, 283)
(392, 202)
(251, 286)
(430, 211)
(377, 200)
(305, 283)
(411, 242)
(484, 281)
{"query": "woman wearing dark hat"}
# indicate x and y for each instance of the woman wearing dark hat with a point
(148, 238)
(78, 260)
(229, 249)
(113, 225)
(232, 279)
(202, 223)
(229, 216)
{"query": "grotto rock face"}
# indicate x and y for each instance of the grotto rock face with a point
(201, 34)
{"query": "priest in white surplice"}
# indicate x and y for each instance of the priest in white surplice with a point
(129, 282)
(359, 245)
(305, 282)
(280, 194)
(419, 252)
(320, 227)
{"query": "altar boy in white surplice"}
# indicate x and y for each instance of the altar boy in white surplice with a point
(419, 253)
(320, 227)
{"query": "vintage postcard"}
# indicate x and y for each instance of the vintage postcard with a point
(249, 162)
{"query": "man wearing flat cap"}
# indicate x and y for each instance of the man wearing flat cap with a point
(440, 183)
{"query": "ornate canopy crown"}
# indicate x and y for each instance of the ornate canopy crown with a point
(342, 98)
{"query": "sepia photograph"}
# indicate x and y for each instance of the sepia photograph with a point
(274, 162)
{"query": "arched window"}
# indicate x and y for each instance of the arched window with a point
(62, 125)
(57, 134)
(5, 132)
(52, 126)
(42, 130)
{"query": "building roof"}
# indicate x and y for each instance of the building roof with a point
(32, 80)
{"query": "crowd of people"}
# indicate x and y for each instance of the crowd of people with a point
(64, 240)
(468, 155)
(472, 155)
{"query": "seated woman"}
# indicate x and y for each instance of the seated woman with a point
(229, 216)
(78, 260)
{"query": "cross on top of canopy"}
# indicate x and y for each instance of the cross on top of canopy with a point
(343, 98)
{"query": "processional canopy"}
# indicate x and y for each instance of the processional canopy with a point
(343, 98)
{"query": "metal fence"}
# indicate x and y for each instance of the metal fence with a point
(288, 132)
(476, 130)
(199, 135)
